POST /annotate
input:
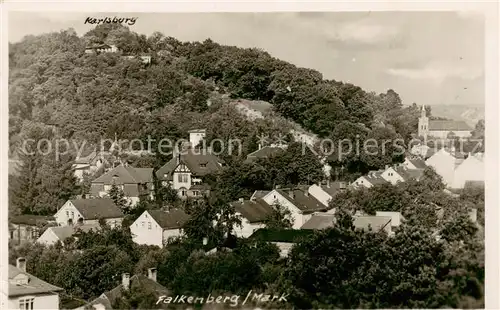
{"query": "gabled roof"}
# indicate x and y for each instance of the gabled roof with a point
(323, 221)
(448, 125)
(107, 299)
(302, 200)
(253, 210)
(126, 175)
(266, 152)
(34, 286)
(259, 194)
(418, 163)
(198, 163)
(172, 219)
(31, 220)
(96, 208)
(408, 174)
(375, 177)
(280, 235)
(63, 232)
(319, 221)
(333, 188)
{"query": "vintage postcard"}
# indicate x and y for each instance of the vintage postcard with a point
(250, 156)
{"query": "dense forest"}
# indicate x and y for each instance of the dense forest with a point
(57, 91)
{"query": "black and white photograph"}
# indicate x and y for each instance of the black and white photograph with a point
(248, 160)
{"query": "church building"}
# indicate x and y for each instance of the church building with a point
(441, 129)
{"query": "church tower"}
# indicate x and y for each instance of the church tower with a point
(423, 123)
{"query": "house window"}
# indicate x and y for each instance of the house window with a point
(390, 174)
(72, 214)
(26, 303)
(183, 178)
(183, 193)
(196, 193)
(11, 234)
(67, 214)
(142, 224)
(149, 225)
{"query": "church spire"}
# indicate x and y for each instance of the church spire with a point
(424, 112)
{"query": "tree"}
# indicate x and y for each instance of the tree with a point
(118, 196)
(280, 218)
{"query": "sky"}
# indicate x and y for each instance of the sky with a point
(432, 58)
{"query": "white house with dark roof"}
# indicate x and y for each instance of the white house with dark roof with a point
(414, 163)
(441, 128)
(253, 214)
(400, 173)
(186, 170)
(60, 233)
(325, 192)
(369, 180)
(89, 162)
(134, 182)
(89, 211)
(26, 291)
(155, 227)
(298, 201)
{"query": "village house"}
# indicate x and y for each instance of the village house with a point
(369, 180)
(89, 211)
(471, 169)
(148, 284)
(362, 222)
(134, 182)
(266, 151)
(26, 291)
(414, 163)
(27, 227)
(325, 192)
(396, 217)
(60, 233)
(155, 227)
(253, 214)
(186, 170)
(101, 48)
(298, 201)
(441, 129)
(284, 239)
(400, 173)
(88, 164)
(443, 163)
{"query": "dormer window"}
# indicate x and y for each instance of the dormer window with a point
(204, 165)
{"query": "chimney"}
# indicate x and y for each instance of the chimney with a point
(241, 200)
(152, 274)
(290, 193)
(306, 193)
(260, 146)
(21, 263)
(328, 183)
(386, 167)
(178, 158)
(205, 241)
(126, 281)
(278, 186)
